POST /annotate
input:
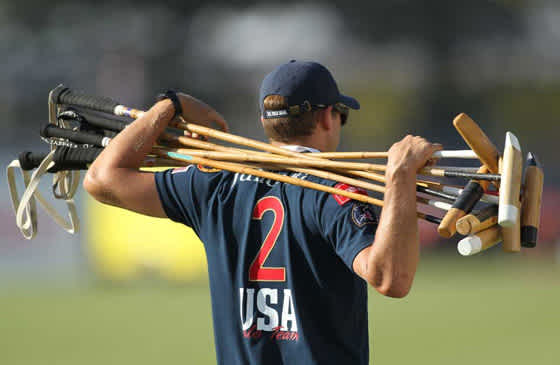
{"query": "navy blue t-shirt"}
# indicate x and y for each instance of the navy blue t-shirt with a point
(280, 265)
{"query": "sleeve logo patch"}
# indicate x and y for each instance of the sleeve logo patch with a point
(363, 214)
(341, 200)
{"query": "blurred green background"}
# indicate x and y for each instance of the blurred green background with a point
(130, 294)
(490, 309)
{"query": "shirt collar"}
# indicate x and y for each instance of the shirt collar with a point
(296, 148)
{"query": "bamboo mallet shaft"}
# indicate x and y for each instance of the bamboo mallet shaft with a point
(285, 179)
(233, 167)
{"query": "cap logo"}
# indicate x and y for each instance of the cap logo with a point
(292, 110)
(271, 114)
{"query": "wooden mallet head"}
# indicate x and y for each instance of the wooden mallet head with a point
(479, 221)
(463, 205)
(531, 201)
(510, 183)
(510, 186)
(478, 141)
(488, 154)
(480, 241)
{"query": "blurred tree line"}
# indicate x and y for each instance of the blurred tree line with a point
(444, 30)
(413, 65)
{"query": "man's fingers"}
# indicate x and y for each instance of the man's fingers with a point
(432, 161)
(433, 147)
(221, 122)
(427, 153)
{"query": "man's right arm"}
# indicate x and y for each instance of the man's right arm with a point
(390, 263)
(114, 177)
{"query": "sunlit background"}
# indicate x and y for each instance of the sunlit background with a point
(133, 290)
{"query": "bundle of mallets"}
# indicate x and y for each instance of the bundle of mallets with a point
(80, 126)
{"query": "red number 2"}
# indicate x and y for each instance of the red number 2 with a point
(257, 272)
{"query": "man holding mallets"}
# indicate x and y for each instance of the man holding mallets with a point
(288, 266)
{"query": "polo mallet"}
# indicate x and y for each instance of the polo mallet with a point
(290, 180)
(509, 207)
(204, 145)
(77, 159)
(81, 137)
(531, 201)
(487, 197)
(478, 221)
(463, 205)
(480, 241)
(111, 106)
(51, 131)
(510, 187)
(510, 172)
(66, 96)
(478, 142)
(84, 108)
(488, 154)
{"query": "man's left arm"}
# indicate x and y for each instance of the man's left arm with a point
(389, 265)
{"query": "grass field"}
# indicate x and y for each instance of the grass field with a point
(492, 309)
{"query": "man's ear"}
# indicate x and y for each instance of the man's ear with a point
(262, 120)
(325, 118)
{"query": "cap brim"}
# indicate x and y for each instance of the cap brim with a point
(349, 102)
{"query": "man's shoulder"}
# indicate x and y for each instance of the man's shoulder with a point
(202, 173)
(342, 186)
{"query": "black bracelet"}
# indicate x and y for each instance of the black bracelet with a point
(172, 95)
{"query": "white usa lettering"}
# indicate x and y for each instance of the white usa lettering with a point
(270, 314)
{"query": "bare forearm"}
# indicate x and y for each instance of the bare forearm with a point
(114, 179)
(129, 148)
(395, 252)
(390, 263)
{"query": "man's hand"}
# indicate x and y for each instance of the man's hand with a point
(198, 112)
(409, 155)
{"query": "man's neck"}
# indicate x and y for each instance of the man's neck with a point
(293, 144)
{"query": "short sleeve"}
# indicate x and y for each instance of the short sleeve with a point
(348, 225)
(173, 189)
(185, 194)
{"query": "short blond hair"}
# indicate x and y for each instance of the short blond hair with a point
(284, 129)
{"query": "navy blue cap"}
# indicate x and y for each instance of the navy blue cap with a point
(304, 83)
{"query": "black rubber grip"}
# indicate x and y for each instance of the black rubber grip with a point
(29, 160)
(99, 103)
(51, 130)
(103, 123)
(65, 158)
(468, 198)
(489, 211)
(529, 236)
